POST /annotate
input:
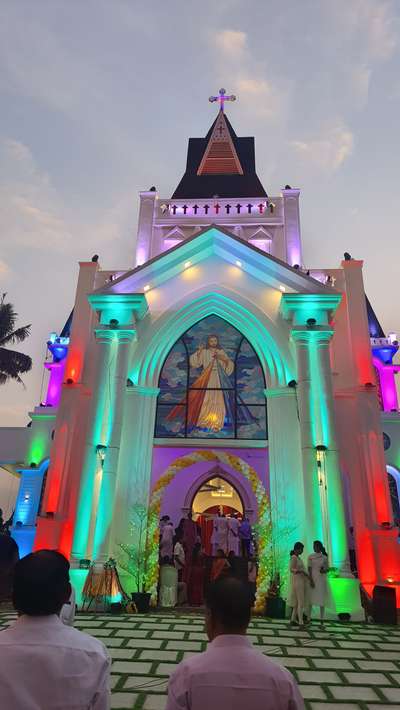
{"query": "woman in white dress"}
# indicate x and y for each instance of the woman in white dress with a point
(299, 586)
(317, 569)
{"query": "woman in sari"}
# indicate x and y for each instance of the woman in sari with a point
(220, 566)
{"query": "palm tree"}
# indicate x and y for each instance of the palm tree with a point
(12, 363)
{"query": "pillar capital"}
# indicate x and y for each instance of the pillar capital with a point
(125, 308)
(125, 335)
(300, 307)
(104, 335)
(308, 336)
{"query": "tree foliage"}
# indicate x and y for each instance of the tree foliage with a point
(12, 362)
(136, 555)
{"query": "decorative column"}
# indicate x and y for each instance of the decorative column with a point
(104, 340)
(285, 473)
(312, 504)
(106, 509)
(323, 483)
(145, 226)
(136, 455)
(292, 226)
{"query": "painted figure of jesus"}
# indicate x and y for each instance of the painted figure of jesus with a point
(210, 400)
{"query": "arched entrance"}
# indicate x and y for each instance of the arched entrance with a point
(214, 495)
(263, 525)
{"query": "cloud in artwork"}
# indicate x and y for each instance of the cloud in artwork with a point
(328, 151)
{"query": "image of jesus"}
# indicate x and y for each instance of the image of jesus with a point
(208, 404)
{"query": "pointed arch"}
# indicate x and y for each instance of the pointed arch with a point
(268, 341)
(212, 385)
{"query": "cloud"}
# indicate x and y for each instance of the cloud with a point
(4, 269)
(373, 25)
(360, 80)
(31, 213)
(258, 94)
(329, 150)
(232, 42)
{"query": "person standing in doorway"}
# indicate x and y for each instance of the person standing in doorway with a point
(179, 556)
(245, 534)
(167, 541)
(233, 535)
(317, 569)
(299, 585)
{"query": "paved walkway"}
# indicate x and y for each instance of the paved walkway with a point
(344, 666)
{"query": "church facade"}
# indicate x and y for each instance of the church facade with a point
(219, 366)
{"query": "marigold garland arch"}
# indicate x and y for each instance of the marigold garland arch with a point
(263, 525)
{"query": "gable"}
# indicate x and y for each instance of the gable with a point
(225, 249)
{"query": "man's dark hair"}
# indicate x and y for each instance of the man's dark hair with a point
(229, 602)
(41, 583)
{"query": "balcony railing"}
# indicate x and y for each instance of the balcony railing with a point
(217, 209)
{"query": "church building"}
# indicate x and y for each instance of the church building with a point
(218, 373)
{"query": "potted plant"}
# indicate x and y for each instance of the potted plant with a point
(275, 606)
(136, 556)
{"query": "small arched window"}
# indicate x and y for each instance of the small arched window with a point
(212, 386)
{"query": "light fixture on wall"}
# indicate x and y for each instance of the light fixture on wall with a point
(282, 288)
(101, 451)
(238, 263)
(146, 288)
(187, 264)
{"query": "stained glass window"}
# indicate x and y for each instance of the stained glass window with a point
(212, 386)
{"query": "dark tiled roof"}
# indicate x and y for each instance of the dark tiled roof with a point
(66, 331)
(194, 186)
(375, 328)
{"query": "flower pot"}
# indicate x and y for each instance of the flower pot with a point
(275, 607)
(142, 601)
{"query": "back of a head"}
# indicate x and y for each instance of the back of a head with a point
(41, 583)
(229, 603)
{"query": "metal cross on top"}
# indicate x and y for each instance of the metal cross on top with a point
(222, 98)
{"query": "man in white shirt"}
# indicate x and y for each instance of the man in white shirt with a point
(46, 665)
(231, 674)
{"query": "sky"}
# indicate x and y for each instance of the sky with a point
(98, 99)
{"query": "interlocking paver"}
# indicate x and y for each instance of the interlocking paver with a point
(321, 676)
(392, 694)
(365, 678)
(312, 692)
(123, 700)
(353, 692)
(155, 702)
(131, 667)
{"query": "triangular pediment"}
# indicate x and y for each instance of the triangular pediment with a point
(220, 156)
(260, 233)
(175, 233)
(218, 244)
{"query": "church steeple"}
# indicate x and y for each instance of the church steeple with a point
(221, 163)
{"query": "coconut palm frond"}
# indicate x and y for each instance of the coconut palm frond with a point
(8, 318)
(16, 336)
(12, 364)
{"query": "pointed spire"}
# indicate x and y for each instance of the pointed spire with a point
(220, 156)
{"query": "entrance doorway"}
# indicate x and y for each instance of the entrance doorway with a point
(216, 495)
